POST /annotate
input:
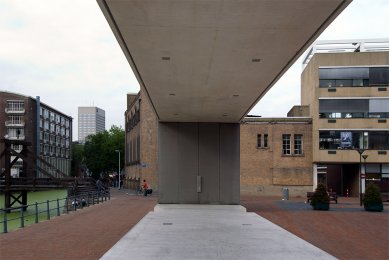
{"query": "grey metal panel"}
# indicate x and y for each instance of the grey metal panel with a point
(209, 162)
(167, 166)
(187, 163)
(229, 164)
(379, 105)
(343, 105)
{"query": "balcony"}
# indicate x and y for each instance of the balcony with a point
(15, 110)
(21, 137)
(10, 123)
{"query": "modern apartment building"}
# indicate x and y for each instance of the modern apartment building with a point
(91, 120)
(345, 84)
(47, 129)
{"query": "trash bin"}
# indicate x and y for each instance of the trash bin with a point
(285, 193)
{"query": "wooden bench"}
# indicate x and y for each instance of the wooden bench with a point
(332, 195)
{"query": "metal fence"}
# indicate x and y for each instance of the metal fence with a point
(50, 208)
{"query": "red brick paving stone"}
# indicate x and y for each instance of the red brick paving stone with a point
(346, 231)
(84, 234)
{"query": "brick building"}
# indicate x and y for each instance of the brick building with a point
(275, 153)
(141, 135)
(47, 129)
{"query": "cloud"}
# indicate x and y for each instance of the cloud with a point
(64, 52)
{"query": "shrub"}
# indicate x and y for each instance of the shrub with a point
(372, 200)
(320, 199)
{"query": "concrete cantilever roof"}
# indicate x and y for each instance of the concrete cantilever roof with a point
(212, 60)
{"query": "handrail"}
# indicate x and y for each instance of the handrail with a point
(69, 203)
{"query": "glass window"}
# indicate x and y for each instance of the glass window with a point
(265, 140)
(286, 145)
(298, 144)
(259, 137)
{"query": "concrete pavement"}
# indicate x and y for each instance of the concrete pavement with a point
(179, 231)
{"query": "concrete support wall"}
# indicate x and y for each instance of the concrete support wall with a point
(189, 150)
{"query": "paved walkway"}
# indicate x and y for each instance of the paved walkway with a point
(346, 231)
(210, 232)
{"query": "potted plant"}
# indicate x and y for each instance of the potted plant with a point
(320, 199)
(372, 200)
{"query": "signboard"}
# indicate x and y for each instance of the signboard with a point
(346, 139)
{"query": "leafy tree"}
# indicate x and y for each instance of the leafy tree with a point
(77, 158)
(99, 151)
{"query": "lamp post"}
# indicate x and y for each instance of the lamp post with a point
(360, 151)
(119, 166)
(364, 162)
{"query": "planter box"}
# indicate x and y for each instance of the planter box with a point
(374, 207)
(321, 206)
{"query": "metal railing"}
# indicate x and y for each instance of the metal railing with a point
(46, 210)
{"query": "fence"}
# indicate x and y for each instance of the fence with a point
(48, 209)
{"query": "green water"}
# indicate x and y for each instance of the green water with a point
(41, 197)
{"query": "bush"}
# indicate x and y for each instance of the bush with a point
(372, 200)
(320, 199)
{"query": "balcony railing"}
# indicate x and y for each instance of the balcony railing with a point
(14, 110)
(20, 137)
(13, 123)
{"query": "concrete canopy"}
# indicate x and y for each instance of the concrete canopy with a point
(212, 60)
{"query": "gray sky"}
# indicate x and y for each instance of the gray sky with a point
(65, 52)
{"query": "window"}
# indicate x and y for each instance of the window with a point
(15, 106)
(298, 144)
(265, 140)
(286, 145)
(375, 140)
(354, 108)
(353, 77)
(259, 137)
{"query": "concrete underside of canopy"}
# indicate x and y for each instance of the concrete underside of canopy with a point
(212, 61)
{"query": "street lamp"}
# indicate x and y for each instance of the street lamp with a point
(360, 151)
(364, 159)
(119, 166)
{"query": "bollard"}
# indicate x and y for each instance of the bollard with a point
(5, 229)
(36, 213)
(285, 193)
(48, 210)
(22, 216)
(58, 213)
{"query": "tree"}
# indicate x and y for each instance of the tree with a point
(77, 158)
(99, 151)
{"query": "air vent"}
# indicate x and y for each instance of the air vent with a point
(332, 90)
(165, 58)
(331, 152)
(331, 121)
(256, 60)
(381, 89)
(381, 120)
(381, 152)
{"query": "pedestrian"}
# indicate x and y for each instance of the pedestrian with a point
(99, 186)
(145, 187)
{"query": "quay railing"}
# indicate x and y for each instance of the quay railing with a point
(39, 211)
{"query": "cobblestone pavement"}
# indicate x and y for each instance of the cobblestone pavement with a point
(346, 231)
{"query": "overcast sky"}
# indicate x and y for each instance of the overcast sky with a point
(65, 52)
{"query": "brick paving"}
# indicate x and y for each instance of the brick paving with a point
(346, 231)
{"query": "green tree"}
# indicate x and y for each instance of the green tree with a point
(99, 151)
(77, 158)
